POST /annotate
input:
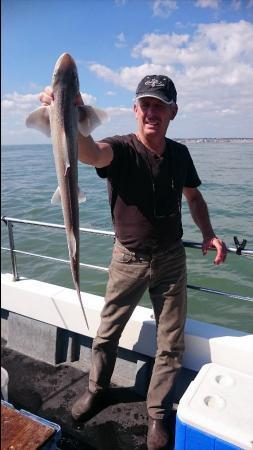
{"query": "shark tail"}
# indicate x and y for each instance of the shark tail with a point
(81, 303)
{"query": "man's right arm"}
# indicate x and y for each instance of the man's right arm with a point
(97, 154)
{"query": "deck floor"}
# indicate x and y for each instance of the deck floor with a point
(49, 391)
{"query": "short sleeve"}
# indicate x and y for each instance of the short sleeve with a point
(114, 167)
(192, 179)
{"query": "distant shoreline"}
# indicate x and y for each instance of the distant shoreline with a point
(218, 140)
(240, 140)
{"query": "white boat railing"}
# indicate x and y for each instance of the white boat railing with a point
(9, 221)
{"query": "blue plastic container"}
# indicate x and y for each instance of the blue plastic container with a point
(216, 411)
(190, 438)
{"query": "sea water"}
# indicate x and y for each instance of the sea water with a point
(225, 168)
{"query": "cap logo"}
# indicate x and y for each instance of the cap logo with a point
(154, 83)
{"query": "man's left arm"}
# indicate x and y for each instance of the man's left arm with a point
(200, 215)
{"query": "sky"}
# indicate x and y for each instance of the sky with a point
(205, 46)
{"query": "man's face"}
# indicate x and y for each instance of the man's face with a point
(153, 116)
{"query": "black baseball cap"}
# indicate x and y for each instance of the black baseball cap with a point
(157, 86)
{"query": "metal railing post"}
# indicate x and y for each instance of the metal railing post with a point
(12, 251)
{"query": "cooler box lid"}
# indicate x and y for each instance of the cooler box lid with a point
(219, 401)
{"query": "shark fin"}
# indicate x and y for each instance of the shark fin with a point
(39, 119)
(67, 165)
(56, 198)
(90, 118)
(81, 196)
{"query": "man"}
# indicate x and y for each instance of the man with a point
(147, 174)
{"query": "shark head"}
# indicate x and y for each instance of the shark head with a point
(65, 73)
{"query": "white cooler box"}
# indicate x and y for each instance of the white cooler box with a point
(216, 411)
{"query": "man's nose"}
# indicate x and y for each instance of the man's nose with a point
(150, 110)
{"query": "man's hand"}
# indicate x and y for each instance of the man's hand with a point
(46, 97)
(221, 249)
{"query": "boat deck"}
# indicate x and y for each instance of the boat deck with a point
(49, 392)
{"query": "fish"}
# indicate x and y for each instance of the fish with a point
(62, 120)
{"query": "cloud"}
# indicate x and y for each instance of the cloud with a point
(219, 53)
(120, 2)
(207, 3)
(122, 122)
(212, 69)
(25, 99)
(210, 44)
(161, 49)
(128, 77)
(110, 93)
(118, 111)
(88, 98)
(163, 8)
(120, 40)
(7, 105)
(15, 108)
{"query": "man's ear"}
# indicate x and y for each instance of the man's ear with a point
(174, 110)
(135, 110)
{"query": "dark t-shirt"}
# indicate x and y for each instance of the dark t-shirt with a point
(145, 192)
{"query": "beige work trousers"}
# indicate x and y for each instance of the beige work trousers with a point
(130, 274)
